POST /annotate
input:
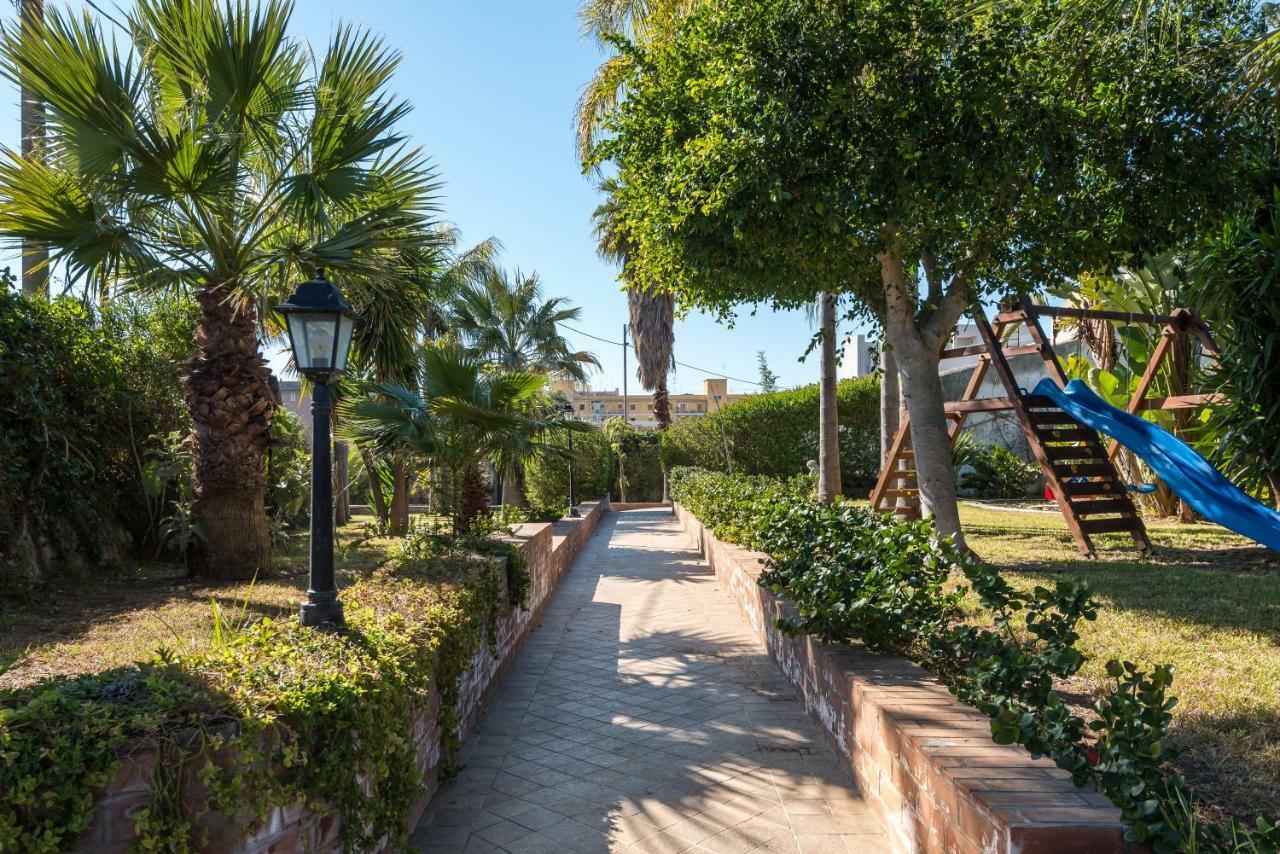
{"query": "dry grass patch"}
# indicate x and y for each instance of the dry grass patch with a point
(115, 617)
(1206, 601)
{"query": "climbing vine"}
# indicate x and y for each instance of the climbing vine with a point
(265, 717)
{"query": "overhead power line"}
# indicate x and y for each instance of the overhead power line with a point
(678, 362)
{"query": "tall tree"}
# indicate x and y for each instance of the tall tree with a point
(829, 485)
(35, 258)
(652, 313)
(916, 159)
(768, 379)
(504, 318)
(206, 151)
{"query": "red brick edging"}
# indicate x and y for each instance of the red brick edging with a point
(923, 760)
(549, 550)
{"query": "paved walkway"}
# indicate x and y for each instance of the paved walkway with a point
(641, 715)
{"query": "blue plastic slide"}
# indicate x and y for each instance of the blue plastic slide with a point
(1187, 473)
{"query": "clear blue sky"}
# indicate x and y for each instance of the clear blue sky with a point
(494, 83)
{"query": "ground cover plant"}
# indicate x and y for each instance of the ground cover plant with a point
(263, 696)
(1010, 649)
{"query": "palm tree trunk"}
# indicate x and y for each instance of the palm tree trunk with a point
(35, 259)
(230, 403)
(341, 483)
(828, 419)
(399, 496)
(375, 488)
(662, 404)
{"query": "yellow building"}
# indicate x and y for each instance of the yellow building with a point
(596, 406)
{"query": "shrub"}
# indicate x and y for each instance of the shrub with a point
(776, 434)
(855, 575)
(996, 472)
(546, 476)
(81, 397)
(272, 714)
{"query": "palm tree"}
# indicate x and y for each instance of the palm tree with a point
(459, 412)
(652, 314)
(210, 153)
(504, 319)
(35, 258)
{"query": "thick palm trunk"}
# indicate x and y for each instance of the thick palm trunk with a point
(375, 488)
(399, 497)
(35, 259)
(828, 419)
(513, 488)
(231, 405)
(662, 404)
(475, 498)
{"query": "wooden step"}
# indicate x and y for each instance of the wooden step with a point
(900, 493)
(1067, 434)
(1102, 506)
(1084, 453)
(1124, 524)
(1050, 418)
(1065, 470)
(1093, 487)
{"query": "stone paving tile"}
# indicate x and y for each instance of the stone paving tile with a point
(642, 716)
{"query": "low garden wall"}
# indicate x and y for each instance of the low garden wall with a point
(924, 760)
(548, 551)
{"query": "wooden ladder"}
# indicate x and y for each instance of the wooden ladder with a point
(1076, 465)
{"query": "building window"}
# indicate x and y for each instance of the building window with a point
(633, 407)
(700, 405)
(582, 406)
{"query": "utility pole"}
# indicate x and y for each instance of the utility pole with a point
(626, 418)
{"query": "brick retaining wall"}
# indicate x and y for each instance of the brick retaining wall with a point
(923, 760)
(549, 550)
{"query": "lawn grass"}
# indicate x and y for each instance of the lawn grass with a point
(1206, 601)
(115, 617)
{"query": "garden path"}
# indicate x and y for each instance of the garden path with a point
(643, 715)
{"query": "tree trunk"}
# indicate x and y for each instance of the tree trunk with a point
(399, 496)
(916, 348)
(230, 403)
(341, 483)
(35, 258)
(475, 498)
(662, 404)
(828, 418)
(1273, 478)
(513, 488)
(935, 471)
(890, 402)
(375, 488)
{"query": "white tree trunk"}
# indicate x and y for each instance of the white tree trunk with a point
(890, 401)
(829, 486)
(916, 347)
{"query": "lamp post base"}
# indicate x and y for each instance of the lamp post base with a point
(321, 613)
(573, 512)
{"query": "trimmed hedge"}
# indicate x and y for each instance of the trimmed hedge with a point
(857, 575)
(269, 714)
(776, 434)
(546, 476)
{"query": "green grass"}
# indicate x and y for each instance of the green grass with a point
(1206, 601)
(109, 618)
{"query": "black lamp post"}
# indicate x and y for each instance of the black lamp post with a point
(320, 322)
(573, 492)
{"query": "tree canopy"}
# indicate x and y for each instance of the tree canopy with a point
(776, 148)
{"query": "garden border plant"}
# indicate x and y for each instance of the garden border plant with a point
(856, 575)
(253, 717)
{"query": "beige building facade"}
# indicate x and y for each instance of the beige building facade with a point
(595, 406)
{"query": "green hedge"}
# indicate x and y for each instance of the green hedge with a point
(83, 396)
(776, 434)
(546, 476)
(856, 575)
(270, 714)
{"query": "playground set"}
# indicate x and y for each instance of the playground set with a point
(1064, 423)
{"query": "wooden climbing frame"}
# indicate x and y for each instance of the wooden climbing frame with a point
(1079, 469)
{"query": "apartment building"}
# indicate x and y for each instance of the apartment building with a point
(596, 406)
